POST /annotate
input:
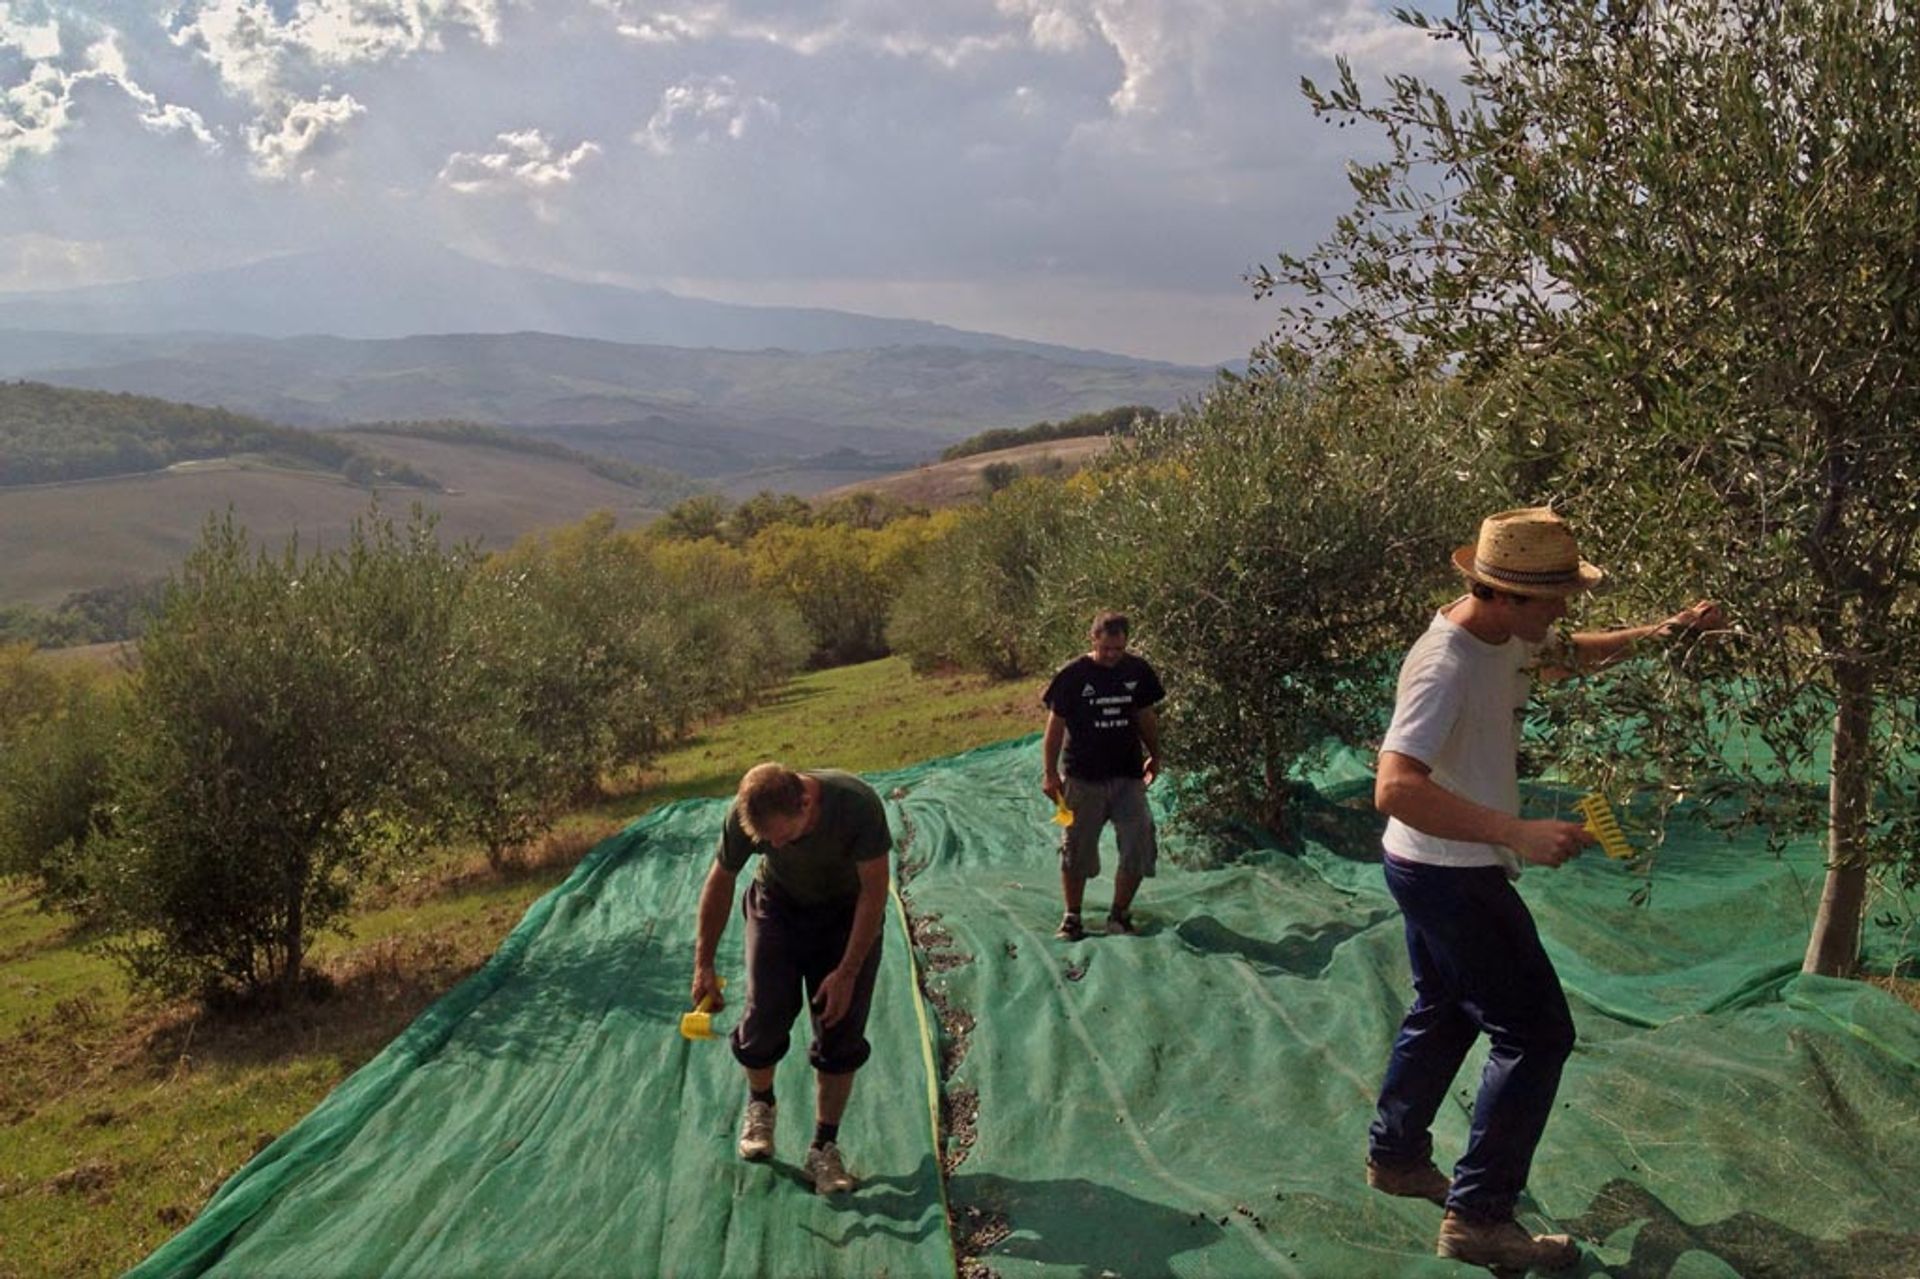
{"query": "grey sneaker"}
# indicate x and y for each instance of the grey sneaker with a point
(1121, 924)
(1420, 1181)
(756, 1131)
(1503, 1245)
(826, 1171)
(1070, 928)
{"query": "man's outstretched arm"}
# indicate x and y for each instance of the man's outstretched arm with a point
(1597, 650)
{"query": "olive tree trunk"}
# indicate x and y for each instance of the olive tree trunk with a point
(1834, 948)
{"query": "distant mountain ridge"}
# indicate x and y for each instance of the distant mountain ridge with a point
(397, 290)
(708, 413)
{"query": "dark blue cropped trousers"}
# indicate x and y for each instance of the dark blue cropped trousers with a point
(1478, 968)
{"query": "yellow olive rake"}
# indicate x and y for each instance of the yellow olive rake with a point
(698, 1024)
(1604, 826)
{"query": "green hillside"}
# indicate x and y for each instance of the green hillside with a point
(119, 1119)
(655, 485)
(52, 434)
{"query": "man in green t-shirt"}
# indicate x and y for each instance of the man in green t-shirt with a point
(814, 912)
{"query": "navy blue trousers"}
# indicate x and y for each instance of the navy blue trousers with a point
(1478, 967)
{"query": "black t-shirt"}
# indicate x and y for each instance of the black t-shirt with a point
(1101, 706)
(821, 868)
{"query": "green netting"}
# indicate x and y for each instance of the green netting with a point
(546, 1118)
(1192, 1101)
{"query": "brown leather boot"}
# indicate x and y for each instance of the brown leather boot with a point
(1421, 1181)
(1503, 1245)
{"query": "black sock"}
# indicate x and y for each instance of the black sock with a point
(761, 1094)
(824, 1133)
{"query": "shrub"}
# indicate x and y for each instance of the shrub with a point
(987, 594)
(54, 762)
(1277, 548)
(280, 738)
(826, 572)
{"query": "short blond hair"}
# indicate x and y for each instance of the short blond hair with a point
(768, 790)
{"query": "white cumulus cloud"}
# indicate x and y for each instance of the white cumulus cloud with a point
(261, 53)
(278, 56)
(1380, 43)
(110, 63)
(527, 161)
(284, 140)
(36, 41)
(34, 112)
(703, 110)
(948, 35)
(55, 68)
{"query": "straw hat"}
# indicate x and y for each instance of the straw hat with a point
(1527, 552)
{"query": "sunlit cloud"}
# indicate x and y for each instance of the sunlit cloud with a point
(704, 110)
(36, 41)
(43, 103)
(262, 54)
(908, 31)
(277, 57)
(33, 113)
(1050, 25)
(286, 139)
(1380, 43)
(527, 161)
(109, 61)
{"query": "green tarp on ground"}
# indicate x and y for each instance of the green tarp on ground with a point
(1192, 1101)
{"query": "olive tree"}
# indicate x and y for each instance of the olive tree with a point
(1672, 248)
(57, 734)
(987, 594)
(278, 739)
(1278, 547)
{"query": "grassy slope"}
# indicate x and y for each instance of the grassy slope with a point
(117, 1120)
(962, 480)
(62, 538)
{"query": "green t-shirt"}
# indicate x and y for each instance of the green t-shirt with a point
(819, 868)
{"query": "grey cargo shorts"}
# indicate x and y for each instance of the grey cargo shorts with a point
(1121, 801)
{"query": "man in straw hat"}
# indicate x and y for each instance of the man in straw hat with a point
(1448, 783)
(814, 913)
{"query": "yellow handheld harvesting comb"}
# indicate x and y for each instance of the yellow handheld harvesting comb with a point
(1604, 826)
(698, 1024)
(1062, 815)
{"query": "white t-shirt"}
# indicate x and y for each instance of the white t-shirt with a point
(1457, 710)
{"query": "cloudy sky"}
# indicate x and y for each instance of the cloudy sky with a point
(1096, 172)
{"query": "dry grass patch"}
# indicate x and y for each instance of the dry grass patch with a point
(1902, 987)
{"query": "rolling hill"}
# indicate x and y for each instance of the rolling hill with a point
(938, 484)
(62, 537)
(709, 413)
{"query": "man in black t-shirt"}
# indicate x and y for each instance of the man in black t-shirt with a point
(1100, 707)
(814, 912)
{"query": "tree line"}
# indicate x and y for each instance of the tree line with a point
(1114, 421)
(657, 486)
(52, 434)
(299, 723)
